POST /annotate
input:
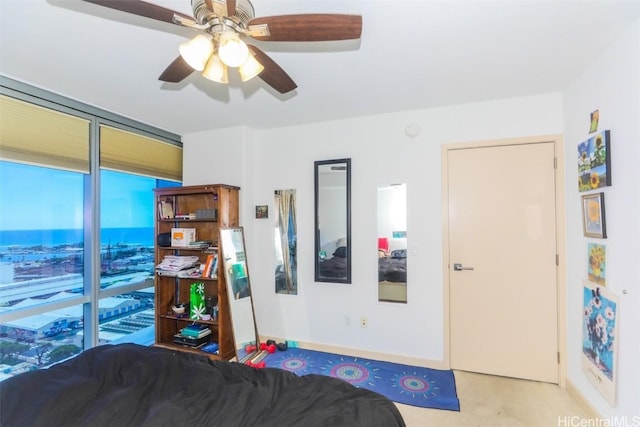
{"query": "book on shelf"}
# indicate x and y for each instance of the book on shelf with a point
(200, 244)
(211, 348)
(195, 335)
(211, 267)
(214, 268)
(186, 216)
(207, 266)
(196, 327)
(191, 341)
(165, 210)
(196, 331)
(212, 249)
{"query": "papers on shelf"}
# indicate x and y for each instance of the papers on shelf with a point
(189, 272)
(176, 263)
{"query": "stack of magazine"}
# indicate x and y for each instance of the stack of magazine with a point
(176, 265)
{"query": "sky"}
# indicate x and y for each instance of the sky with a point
(33, 198)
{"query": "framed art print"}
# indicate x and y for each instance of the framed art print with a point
(593, 220)
(595, 117)
(597, 263)
(600, 339)
(594, 162)
(262, 211)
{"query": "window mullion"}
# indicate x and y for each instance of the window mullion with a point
(92, 240)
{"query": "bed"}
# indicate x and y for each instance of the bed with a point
(392, 275)
(393, 268)
(133, 385)
(336, 266)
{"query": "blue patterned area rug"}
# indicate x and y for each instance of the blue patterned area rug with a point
(411, 385)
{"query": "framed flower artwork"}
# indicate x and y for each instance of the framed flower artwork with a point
(595, 117)
(593, 219)
(600, 339)
(597, 263)
(594, 162)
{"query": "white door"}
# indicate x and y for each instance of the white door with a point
(502, 233)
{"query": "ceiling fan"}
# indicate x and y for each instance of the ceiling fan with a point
(225, 28)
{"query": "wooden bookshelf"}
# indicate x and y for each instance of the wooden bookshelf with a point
(214, 206)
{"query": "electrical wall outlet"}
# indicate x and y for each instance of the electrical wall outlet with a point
(363, 322)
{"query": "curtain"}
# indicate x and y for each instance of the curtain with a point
(286, 222)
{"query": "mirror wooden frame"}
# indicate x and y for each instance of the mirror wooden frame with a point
(320, 261)
(243, 318)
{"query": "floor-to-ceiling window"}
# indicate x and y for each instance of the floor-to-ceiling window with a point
(127, 256)
(41, 264)
(76, 228)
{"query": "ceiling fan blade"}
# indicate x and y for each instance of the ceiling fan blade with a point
(272, 74)
(141, 8)
(231, 7)
(177, 71)
(309, 27)
(222, 7)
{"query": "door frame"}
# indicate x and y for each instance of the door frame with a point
(558, 145)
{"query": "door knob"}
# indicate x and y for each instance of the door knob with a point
(460, 267)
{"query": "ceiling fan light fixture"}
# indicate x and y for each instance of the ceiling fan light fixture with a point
(197, 51)
(216, 70)
(250, 68)
(232, 51)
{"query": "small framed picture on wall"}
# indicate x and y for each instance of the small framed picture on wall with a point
(597, 263)
(262, 211)
(593, 219)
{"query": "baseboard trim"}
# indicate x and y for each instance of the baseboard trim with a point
(579, 397)
(385, 357)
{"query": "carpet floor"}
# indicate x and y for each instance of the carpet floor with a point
(411, 385)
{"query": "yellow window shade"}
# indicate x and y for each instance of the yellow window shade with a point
(129, 152)
(40, 136)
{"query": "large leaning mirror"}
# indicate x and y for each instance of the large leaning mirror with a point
(236, 273)
(286, 238)
(392, 243)
(333, 221)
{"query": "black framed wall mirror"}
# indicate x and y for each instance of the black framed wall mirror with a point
(333, 221)
(236, 273)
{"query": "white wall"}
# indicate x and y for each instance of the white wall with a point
(381, 153)
(610, 84)
(262, 161)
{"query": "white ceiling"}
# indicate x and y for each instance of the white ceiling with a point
(412, 55)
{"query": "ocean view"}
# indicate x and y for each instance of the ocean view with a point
(141, 236)
(42, 250)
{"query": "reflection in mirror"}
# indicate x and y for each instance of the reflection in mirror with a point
(236, 274)
(286, 242)
(333, 221)
(392, 243)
